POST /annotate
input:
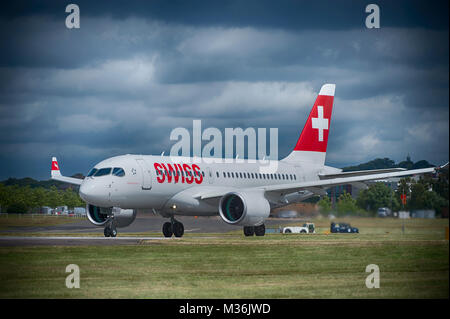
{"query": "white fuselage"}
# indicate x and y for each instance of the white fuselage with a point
(169, 185)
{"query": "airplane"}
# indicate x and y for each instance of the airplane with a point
(238, 192)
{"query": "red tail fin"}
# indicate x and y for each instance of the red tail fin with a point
(312, 144)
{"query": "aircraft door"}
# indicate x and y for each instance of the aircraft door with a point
(146, 174)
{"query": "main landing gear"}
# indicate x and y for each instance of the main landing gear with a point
(173, 227)
(255, 230)
(110, 228)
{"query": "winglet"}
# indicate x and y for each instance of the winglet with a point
(55, 167)
(56, 174)
(445, 166)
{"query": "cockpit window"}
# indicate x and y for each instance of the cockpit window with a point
(92, 172)
(118, 171)
(103, 171)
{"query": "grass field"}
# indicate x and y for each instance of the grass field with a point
(414, 264)
(11, 221)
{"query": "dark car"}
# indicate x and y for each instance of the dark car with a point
(343, 228)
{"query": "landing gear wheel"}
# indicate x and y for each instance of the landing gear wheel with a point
(110, 228)
(167, 229)
(249, 231)
(113, 232)
(178, 229)
(260, 230)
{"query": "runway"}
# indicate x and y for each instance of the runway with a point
(88, 234)
(72, 241)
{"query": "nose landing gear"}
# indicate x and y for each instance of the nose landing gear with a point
(173, 227)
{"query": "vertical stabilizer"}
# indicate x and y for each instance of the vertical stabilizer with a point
(312, 144)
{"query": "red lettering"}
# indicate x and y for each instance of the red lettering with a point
(159, 175)
(199, 176)
(173, 172)
(181, 172)
(189, 177)
(169, 176)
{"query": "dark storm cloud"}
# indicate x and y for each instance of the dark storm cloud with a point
(285, 14)
(136, 70)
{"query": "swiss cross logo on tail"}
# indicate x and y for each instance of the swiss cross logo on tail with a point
(314, 136)
(320, 122)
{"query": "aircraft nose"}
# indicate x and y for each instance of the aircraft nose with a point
(92, 194)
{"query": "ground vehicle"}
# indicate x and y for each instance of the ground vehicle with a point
(384, 212)
(61, 210)
(307, 228)
(343, 228)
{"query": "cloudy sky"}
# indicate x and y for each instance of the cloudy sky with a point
(135, 70)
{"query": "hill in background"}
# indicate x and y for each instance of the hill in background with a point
(381, 163)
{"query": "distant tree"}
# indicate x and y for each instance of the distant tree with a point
(71, 199)
(54, 197)
(378, 163)
(408, 164)
(422, 164)
(424, 198)
(376, 196)
(346, 205)
(404, 186)
(440, 186)
(324, 205)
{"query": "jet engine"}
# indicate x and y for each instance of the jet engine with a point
(100, 215)
(244, 208)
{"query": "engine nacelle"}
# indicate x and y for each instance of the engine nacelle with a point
(99, 215)
(244, 208)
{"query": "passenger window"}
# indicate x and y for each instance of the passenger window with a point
(118, 171)
(103, 171)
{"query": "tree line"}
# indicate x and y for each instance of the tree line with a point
(23, 199)
(427, 193)
(380, 163)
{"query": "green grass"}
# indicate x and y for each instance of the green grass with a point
(13, 221)
(412, 265)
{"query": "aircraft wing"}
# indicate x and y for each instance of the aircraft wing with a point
(360, 173)
(326, 183)
(56, 174)
(318, 186)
